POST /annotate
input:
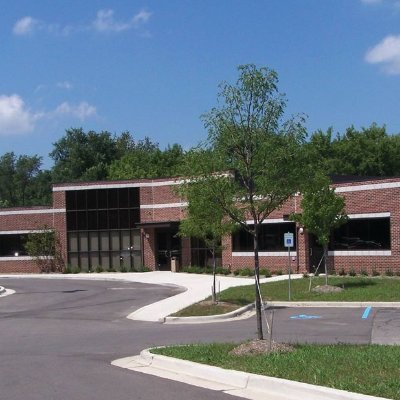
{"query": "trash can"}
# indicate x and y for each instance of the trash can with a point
(174, 264)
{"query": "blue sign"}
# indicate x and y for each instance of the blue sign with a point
(288, 239)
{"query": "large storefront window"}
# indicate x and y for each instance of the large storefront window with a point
(362, 234)
(13, 245)
(270, 237)
(101, 228)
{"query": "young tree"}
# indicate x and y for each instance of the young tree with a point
(204, 221)
(45, 247)
(260, 151)
(322, 212)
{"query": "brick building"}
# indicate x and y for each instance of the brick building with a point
(135, 223)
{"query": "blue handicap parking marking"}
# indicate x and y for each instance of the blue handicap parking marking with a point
(366, 313)
(305, 316)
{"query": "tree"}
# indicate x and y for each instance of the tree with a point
(322, 212)
(45, 247)
(261, 154)
(204, 221)
(86, 156)
(22, 182)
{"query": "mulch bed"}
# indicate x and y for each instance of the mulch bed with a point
(256, 347)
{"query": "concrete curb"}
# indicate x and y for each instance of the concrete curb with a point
(248, 311)
(5, 292)
(209, 318)
(232, 382)
(2, 290)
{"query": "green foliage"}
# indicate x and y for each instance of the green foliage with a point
(22, 183)
(45, 247)
(375, 272)
(86, 156)
(342, 272)
(363, 272)
(99, 269)
(389, 272)
(246, 272)
(367, 152)
(146, 160)
(352, 272)
(265, 272)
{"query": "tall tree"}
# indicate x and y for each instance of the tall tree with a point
(322, 212)
(261, 152)
(22, 182)
(80, 155)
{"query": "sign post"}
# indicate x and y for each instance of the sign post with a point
(288, 242)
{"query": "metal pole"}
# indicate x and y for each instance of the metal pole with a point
(289, 274)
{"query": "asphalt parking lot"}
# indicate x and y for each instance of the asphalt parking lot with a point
(58, 337)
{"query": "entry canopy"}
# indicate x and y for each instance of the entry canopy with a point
(158, 224)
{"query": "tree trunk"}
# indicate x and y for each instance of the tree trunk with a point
(214, 291)
(257, 280)
(326, 263)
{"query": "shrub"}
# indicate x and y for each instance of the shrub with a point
(305, 275)
(265, 272)
(389, 272)
(246, 272)
(397, 273)
(342, 272)
(352, 272)
(279, 272)
(375, 272)
(67, 269)
(236, 272)
(363, 272)
(75, 270)
(99, 269)
(222, 271)
(123, 269)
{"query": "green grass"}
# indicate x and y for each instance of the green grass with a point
(367, 369)
(205, 308)
(356, 289)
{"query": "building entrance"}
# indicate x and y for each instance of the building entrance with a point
(168, 246)
(316, 252)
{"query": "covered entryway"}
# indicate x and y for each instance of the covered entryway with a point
(167, 246)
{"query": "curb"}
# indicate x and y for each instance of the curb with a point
(208, 318)
(272, 304)
(2, 290)
(242, 384)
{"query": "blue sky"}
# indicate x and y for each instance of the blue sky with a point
(153, 67)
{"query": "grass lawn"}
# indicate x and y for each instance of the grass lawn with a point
(367, 369)
(356, 289)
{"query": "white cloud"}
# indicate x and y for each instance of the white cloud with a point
(15, 117)
(64, 85)
(105, 21)
(81, 111)
(25, 26)
(387, 53)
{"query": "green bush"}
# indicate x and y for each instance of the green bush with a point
(222, 271)
(123, 269)
(352, 272)
(236, 272)
(99, 269)
(279, 272)
(67, 269)
(342, 272)
(389, 272)
(363, 272)
(397, 273)
(75, 270)
(305, 275)
(265, 272)
(375, 272)
(246, 272)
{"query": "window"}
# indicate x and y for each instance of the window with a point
(13, 244)
(362, 234)
(101, 227)
(270, 237)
